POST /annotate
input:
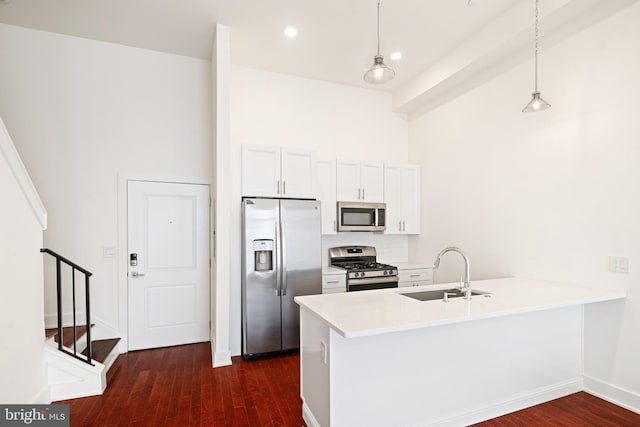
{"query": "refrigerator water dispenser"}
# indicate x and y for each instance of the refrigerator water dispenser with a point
(263, 254)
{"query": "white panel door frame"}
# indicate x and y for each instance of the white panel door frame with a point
(123, 304)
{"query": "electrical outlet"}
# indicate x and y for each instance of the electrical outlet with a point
(619, 264)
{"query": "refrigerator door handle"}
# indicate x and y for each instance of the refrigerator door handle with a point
(283, 252)
(278, 259)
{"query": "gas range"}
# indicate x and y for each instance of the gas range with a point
(363, 271)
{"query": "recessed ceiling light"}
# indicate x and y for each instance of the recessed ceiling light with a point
(290, 32)
(396, 56)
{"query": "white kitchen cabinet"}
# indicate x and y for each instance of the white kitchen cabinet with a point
(327, 194)
(402, 197)
(333, 282)
(360, 181)
(278, 172)
(413, 275)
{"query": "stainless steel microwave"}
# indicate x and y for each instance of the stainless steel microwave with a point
(361, 216)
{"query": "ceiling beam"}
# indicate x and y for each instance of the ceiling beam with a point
(500, 46)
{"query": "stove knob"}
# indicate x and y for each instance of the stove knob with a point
(385, 272)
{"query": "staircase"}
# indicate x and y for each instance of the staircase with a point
(79, 355)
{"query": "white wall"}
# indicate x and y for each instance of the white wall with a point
(222, 204)
(548, 195)
(335, 120)
(22, 364)
(81, 112)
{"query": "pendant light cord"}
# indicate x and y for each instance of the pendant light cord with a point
(378, 27)
(536, 49)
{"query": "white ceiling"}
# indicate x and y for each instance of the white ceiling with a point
(336, 38)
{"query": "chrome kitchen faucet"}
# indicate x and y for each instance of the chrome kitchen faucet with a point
(467, 276)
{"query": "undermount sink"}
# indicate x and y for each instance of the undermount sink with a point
(439, 295)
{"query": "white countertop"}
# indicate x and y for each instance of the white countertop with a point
(355, 314)
(332, 270)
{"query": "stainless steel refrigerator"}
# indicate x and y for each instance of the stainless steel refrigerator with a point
(281, 260)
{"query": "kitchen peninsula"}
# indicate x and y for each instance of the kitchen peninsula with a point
(380, 358)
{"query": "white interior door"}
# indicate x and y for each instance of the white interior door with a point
(168, 264)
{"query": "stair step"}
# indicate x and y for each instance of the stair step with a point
(67, 334)
(100, 349)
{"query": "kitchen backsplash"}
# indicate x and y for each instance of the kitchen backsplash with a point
(390, 248)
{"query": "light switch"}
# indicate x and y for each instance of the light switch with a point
(619, 264)
(108, 252)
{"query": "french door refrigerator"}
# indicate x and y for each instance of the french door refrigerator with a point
(281, 260)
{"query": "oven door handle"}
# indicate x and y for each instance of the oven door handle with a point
(373, 280)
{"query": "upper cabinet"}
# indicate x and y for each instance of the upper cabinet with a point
(402, 196)
(327, 194)
(278, 172)
(360, 181)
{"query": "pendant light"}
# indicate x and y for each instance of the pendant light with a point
(536, 103)
(379, 73)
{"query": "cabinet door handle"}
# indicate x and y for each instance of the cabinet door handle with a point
(278, 185)
(403, 227)
(414, 275)
(399, 225)
(363, 198)
(334, 281)
(359, 191)
(284, 187)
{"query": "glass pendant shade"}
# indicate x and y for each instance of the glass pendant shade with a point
(379, 72)
(536, 104)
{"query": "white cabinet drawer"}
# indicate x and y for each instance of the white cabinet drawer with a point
(414, 283)
(423, 274)
(333, 290)
(332, 283)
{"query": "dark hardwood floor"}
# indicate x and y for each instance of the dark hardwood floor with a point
(579, 409)
(176, 386)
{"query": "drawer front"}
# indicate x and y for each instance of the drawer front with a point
(334, 281)
(333, 290)
(414, 283)
(416, 275)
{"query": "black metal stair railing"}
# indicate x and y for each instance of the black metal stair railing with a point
(87, 274)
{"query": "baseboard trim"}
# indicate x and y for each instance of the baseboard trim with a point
(14, 162)
(51, 320)
(220, 358)
(611, 393)
(521, 401)
(44, 397)
(308, 417)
